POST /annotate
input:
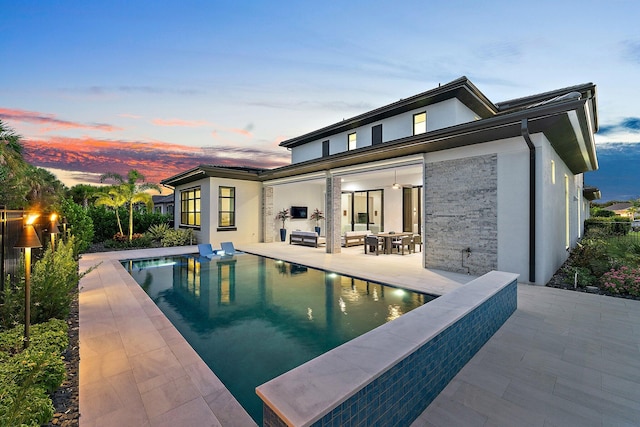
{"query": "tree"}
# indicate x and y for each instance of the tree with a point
(132, 192)
(82, 193)
(45, 189)
(13, 169)
(112, 199)
(21, 184)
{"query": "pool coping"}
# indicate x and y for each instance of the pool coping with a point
(135, 365)
(304, 395)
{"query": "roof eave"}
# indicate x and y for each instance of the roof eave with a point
(460, 88)
(208, 171)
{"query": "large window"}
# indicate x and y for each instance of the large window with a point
(190, 207)
(226, 207)
(351, 138)
(419, 123)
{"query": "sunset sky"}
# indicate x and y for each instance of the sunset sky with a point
(164, 86)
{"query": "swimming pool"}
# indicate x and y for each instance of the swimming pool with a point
(252, 318)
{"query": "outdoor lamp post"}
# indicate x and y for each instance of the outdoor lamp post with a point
(54, 230)
(64, 227)
(28, 239)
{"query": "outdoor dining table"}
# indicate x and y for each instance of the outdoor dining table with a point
(388, 237)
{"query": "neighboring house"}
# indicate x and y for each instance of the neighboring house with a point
(622, 209)
(164, 204)
(489, 186)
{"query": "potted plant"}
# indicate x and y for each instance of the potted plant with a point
(317, 215)
(283, 215)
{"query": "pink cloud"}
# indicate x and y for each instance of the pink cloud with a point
(156, 160)
(50, 121)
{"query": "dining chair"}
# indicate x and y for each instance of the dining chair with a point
(401, 243)
(374, 243)
(416, 240)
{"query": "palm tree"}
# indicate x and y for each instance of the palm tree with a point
(132, 192)
(13, 169)
(113, 199)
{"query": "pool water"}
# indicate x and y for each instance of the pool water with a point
(252, 318)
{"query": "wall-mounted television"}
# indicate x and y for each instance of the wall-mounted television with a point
(298, 212)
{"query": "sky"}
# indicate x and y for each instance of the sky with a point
(109, 86)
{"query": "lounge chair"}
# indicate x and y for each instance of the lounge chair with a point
(228, 249)
(206, 250)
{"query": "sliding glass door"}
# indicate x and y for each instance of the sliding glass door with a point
(363, 210)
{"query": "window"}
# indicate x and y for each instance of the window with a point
(351, 138)
(553, 172)
(170, 211)
(376, 134)
(226, 207)
(190, 207)
(325, 148)
(420, 123)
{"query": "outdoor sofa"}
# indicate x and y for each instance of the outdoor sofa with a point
(306, 238)
(354, 238)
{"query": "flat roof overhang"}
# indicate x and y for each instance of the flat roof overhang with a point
(591, 193)
(564, 123)
(202, 171)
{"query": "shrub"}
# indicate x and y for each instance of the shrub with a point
(178, 238)
(54, 283)
(121, 241)
(622, 281)
(158, 231)
(612, 226)
(591, 253)
(108, 224)
(26, 377)
(80, 225)
(597, 211)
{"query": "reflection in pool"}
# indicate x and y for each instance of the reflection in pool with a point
(252, 318)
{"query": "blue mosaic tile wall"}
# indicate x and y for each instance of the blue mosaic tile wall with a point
(400, 395)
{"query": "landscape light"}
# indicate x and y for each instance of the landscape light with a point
(28, 239)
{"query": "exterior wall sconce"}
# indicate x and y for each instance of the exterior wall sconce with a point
(28, 239)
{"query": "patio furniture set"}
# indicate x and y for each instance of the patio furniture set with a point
(386, 243)
(373, 243)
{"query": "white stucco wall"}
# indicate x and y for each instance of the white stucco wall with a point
(307, 193)
(513, 204)
(441, 115)
(552, 222)
(248, 207)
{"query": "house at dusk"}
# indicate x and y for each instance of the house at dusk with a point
(487, 186)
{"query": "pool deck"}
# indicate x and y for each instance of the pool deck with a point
(562, 359)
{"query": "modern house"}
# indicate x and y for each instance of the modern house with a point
(489, 186)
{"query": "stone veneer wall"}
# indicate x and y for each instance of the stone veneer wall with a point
(267, 214)
(455, 326)
(333, 203)
(461, 206)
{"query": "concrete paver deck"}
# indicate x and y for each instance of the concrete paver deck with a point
(563, 359)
